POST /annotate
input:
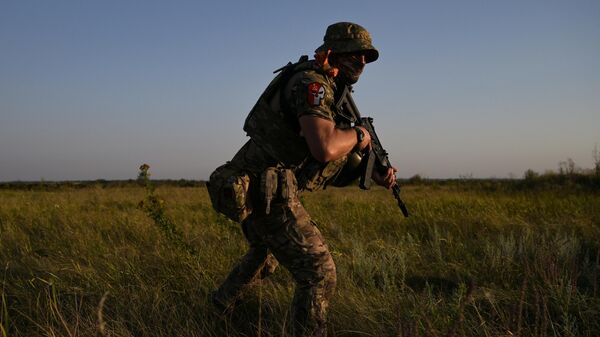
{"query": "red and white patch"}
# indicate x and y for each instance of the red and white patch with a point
(316, 92)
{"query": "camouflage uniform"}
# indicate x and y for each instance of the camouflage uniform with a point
(264, 180)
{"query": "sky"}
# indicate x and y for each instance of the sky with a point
(93, 89)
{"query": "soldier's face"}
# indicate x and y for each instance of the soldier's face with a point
(350, 66)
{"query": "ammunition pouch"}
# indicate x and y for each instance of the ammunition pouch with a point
(277, 185)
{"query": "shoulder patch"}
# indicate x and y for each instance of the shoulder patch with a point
(316, 93)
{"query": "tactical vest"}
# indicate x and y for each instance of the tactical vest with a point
(276, 131)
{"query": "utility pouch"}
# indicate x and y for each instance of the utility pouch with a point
(268, 186)
(277, 185)
(228, 189)
(289, 186)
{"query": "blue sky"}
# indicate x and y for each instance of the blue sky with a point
(92, 89)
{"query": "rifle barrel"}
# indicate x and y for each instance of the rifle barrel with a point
(396, 190)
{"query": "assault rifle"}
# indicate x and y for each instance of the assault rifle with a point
(376, 157)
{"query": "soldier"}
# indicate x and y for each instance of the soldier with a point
(295, 145)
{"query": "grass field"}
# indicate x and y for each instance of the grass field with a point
(468, 262)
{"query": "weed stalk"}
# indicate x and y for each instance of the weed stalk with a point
(154, 207)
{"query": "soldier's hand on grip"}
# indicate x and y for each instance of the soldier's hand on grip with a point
(388, 180)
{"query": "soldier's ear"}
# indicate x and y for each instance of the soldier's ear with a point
(322, 58)
(333, 57)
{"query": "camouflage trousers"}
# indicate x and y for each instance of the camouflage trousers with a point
(287, 235)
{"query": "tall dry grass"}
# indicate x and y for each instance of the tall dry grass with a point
(89, 262)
